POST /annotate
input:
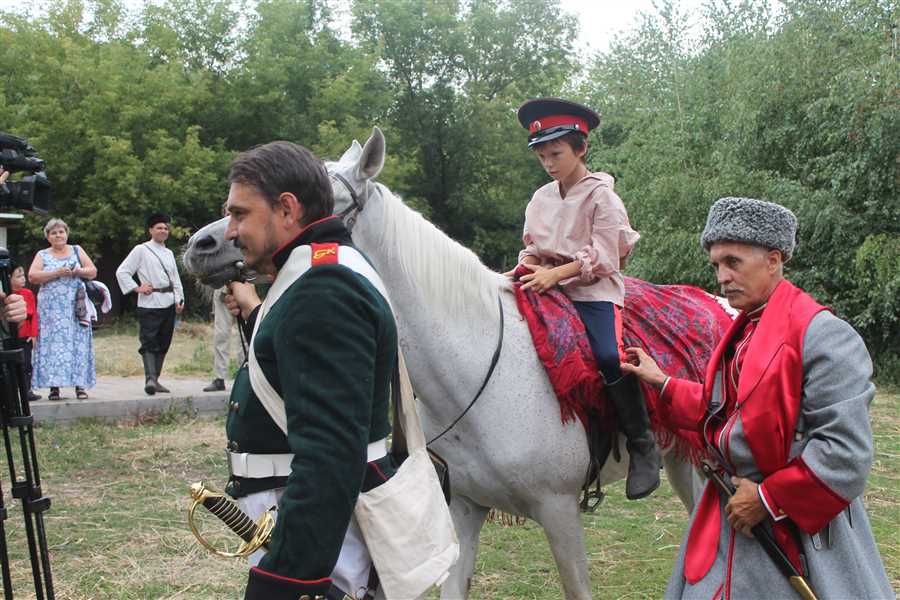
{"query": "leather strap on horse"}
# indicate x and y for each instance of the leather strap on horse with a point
(484, 383)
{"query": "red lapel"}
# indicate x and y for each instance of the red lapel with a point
(770, 334)
(737, 326)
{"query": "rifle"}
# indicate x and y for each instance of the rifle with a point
(762, 535)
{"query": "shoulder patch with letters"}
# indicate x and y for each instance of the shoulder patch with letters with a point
(324, 254)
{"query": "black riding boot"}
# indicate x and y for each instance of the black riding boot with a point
(643, 461)
(149, 373)
(160, 359)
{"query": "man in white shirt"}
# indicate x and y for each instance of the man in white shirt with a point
(160, 297)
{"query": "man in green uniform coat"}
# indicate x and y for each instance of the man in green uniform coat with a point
(309, 430)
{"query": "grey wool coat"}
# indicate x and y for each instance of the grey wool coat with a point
(834, 438)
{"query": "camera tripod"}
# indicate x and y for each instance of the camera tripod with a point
(15, 416)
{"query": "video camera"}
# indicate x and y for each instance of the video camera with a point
(32, 192)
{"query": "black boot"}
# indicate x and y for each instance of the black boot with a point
(149, 373)
(217, 385)
(643, 461)
(160, 359)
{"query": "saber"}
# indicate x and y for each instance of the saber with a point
(762, 535)
(254, 535)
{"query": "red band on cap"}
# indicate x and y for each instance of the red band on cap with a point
(557, 121)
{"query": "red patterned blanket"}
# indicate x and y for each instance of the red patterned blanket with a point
(678, 325)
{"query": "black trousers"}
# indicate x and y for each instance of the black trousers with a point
(155, 329)
(27, 349)
(599, 320)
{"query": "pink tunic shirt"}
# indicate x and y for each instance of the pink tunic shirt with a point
(589, 225)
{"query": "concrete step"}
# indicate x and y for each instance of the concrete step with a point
(123, 398)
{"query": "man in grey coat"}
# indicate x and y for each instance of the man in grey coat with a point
(783, 413)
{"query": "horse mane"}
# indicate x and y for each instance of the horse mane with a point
(447, 273)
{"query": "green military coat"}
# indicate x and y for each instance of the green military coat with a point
(328, 346)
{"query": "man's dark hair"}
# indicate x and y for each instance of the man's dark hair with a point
(575, 139)
(279, 167)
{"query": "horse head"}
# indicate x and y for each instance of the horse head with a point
(214, 260)
(352, 173)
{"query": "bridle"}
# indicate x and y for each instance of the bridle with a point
(357, 203)
(349, 216)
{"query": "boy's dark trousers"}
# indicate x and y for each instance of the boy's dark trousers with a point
(599, 320)
(27, 349)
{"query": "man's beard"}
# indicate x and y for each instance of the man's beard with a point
(263, 262)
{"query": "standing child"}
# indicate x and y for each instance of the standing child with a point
(577, 236)
(28, 329)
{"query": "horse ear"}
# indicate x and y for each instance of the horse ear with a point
(352, 153)
(372, 159)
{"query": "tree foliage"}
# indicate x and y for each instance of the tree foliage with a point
(798, 107)
(140, 109)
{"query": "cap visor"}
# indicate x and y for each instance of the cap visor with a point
(546, 137)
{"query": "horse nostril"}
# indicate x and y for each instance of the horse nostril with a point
(207, 242)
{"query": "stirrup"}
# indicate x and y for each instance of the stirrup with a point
(591, 500)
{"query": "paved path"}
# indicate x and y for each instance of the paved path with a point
(123, 398)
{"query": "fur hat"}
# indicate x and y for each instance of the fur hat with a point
(750, 221)
(157, 218)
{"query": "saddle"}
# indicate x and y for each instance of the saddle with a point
(679, 325)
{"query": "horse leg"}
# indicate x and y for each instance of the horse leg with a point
(468, 518)
(683, 478)
(561, 519)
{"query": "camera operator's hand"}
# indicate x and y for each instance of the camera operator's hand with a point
(14, 308)
(64, 272)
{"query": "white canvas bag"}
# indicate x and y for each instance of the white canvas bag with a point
(405, 521)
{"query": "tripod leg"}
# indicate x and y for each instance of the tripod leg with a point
(28, 491)
(4, 556)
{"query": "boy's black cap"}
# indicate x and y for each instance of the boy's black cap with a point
(549, 118)
(157, 218)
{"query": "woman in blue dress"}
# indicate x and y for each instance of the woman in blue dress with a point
(65, 354)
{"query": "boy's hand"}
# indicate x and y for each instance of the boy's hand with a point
(540, 279)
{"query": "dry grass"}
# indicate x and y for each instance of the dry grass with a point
(116, 349)
(117, 526)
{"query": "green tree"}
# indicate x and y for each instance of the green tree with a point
(458, 71)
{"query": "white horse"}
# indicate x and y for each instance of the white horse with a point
(510, 450)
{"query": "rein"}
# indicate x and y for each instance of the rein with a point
(484, 383)
(349, 216)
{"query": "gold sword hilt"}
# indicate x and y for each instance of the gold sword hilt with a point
(254, 535)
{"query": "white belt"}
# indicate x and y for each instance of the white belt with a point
(258, 466)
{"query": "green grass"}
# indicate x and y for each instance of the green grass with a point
(117, 525)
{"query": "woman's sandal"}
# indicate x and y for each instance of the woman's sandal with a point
(81, 394)
(54, 394)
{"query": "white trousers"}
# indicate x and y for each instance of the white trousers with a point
(351, 573)
(223, 324)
